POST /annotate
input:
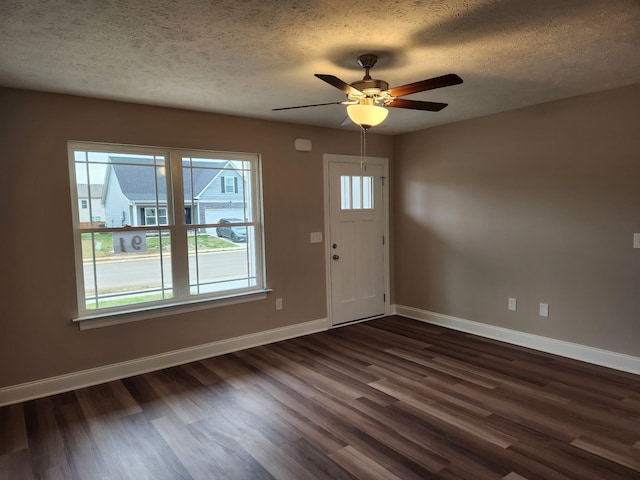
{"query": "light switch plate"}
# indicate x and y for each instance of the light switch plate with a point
(512, 304)
(544, 309)
(636, 240)
(316, 237)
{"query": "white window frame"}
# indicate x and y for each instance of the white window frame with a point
(183, 299)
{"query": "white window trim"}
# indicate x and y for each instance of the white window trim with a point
(96, 318)
(89, 322)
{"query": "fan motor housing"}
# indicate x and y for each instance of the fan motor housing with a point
(370, 86)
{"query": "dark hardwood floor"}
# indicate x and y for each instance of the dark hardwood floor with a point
(390, 398)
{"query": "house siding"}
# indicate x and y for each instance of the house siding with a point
(215, 191)
(215, 204)
(117, 204)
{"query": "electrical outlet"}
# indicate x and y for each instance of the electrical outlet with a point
(544, 309)
(278, 304)
(512, 304)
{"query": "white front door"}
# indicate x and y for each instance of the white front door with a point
(356, 241)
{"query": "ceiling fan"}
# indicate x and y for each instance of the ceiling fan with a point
(367, 98)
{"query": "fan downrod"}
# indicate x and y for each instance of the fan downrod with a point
(367, 62)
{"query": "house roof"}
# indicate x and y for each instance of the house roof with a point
(96, 190)
(139, 184)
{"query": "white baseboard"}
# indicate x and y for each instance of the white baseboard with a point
(605, 358)
(107, 373)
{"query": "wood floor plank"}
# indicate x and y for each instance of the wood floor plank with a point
(443, 372)
(13, 432)
(546, 420)
(361, 466)
(188, 401)
(15, 466)
(46, 444)
(471, 453)
(398, 436)
(315, 462)
(621, 454)
(152, 403)
(456, 418)
(289, 413)
(379, 440)
(235, 373)
(388, 398)
(562, 457)
(84, 457)
(273, 459)
(204, 456)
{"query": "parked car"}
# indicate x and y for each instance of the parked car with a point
(233, 233)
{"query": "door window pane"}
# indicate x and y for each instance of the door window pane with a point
(356, 192)
(356, 200)
(345, 192)
(367, 192)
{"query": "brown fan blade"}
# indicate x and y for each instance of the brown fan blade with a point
(339, 84)
(430, 84)
(417, 105)
(305, 106)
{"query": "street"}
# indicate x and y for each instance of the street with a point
(141, 272)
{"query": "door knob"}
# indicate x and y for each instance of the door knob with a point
(336, 257)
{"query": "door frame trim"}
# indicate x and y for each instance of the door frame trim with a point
(354, 159)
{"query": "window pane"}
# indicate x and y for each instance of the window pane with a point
(229, 184)
(126, 268)
(89, 194)
(345, 192)
(214, 191)
(135, 189)
(162, 216)
(119, 186)
(245, 180)
(367, 192)
(356, 196)
(150, 216)
(216, 264)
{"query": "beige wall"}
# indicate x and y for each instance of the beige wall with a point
(37, 294)
(539, 204)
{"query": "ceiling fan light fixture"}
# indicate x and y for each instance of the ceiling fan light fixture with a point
(367, 115)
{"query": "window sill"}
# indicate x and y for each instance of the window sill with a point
(88, 322)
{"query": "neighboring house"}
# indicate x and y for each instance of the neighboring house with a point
(130, 193)
(90, 207)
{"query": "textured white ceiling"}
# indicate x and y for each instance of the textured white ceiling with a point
(245, 57)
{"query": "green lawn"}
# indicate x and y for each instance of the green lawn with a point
(104, 244)
(124, 301)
